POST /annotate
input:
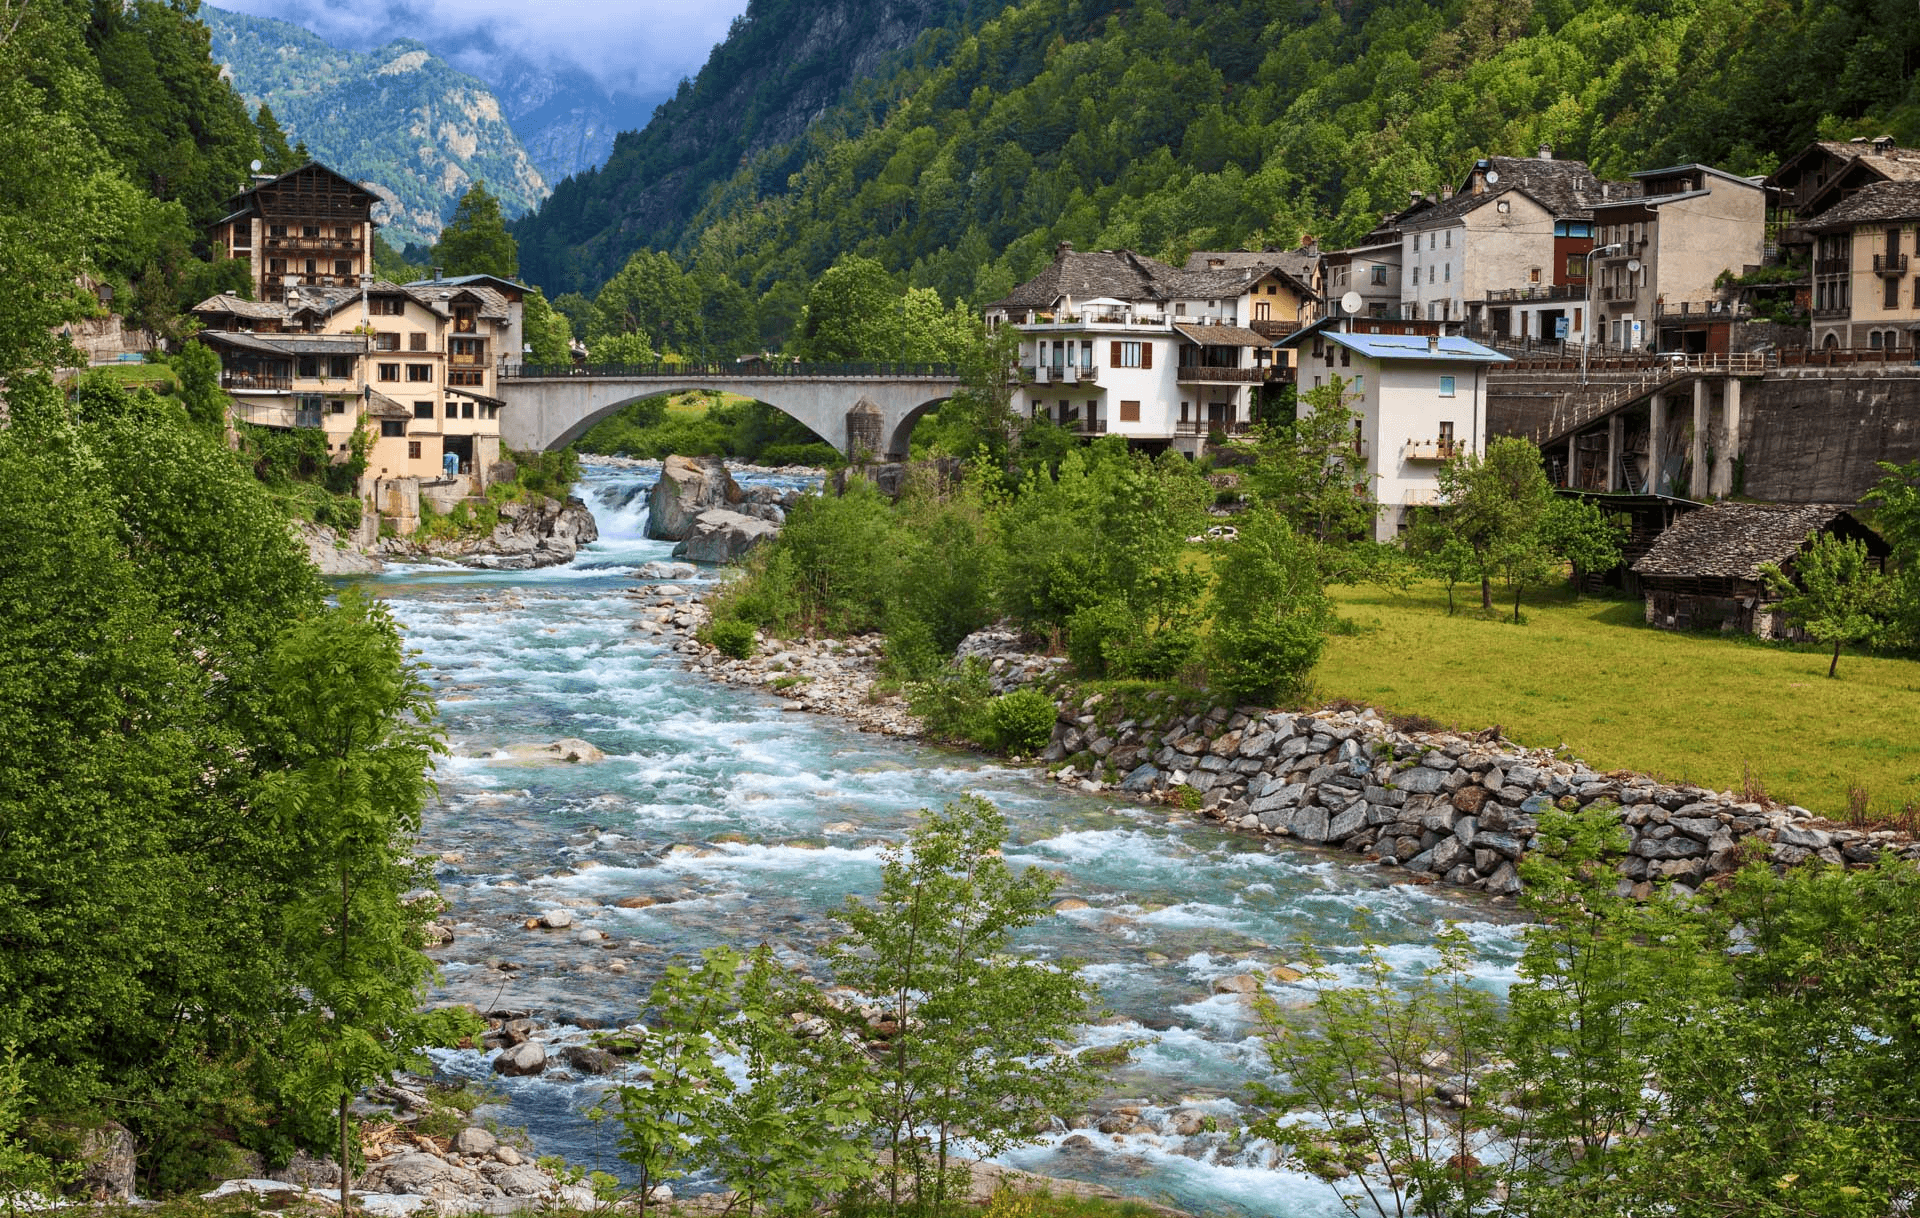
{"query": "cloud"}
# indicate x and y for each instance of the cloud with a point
(641, 46)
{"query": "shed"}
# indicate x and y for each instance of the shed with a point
(1704, 571)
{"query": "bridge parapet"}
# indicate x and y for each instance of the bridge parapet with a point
(752, 370)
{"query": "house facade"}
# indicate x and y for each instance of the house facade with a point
(1419, 401)
(1687, 225)
(415, 364)
(310, 227)
(1822, 175)
(1866, 269)
(1115, 343)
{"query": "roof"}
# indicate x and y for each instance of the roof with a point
(476, 395)
(288, 344)
(380, 406)
(1298, 265)
(1732, 540)
(1126, 276)
(1222, 336)
(492, 281)
(1878, 202)
(243, 200)
(1697, 167)
(228, 303)
(1447, 349)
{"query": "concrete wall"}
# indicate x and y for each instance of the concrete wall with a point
(1813, 439)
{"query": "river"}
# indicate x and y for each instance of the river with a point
(754, 824)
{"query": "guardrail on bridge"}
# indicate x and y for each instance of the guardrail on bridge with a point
(727, 368)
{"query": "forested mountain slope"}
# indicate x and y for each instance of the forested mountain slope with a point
(398, 117)
(1171, 126)
(783, 65)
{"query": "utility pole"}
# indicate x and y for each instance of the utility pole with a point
(1586, 331)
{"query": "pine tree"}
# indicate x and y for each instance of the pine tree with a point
(476, 240)
(275, 156)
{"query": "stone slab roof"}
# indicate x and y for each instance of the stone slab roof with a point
(380, 406)
(1222, 336)
(288, 344)
(1085, 275)
(228, 303)
(1732, 540)
(1882, 201)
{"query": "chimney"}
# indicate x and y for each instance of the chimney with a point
(1882, 143)
(1414, 197)
(1446, 191)
(1061, 251)
(1546, 152)
(1433, 344)
(437, 272)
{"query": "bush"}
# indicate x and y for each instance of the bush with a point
(954, 704)
(1264, 659)
(732, 637)
(819, 454)
(1096, 635)
(1021, 721)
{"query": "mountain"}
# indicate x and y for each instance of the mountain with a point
(565, 118)
(397, 117)
(1167, 126)
(784, 65)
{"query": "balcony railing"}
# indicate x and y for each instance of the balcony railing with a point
(1712, 310)
(236, 379)
(1430, 450)
(1060, 374)
(1199, 372)
(1087, 427)
(1206, 427)
(1421, 497)
(1267, 327)
(343, 244)
(1538, 291)
(1890, 264)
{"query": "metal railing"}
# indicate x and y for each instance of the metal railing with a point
(1838, 357)
(1890, 264)
(255, 380)
(1206, 427)
(1238, 376)
(1669, 369)
(1538, 291)
(1087, 427)
(1267, 327)
(714, 369)
(1059, 374)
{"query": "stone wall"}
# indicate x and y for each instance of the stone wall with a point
(1814, 435)
(1463, 809)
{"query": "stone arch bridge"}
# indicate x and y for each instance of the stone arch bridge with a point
(857, 408)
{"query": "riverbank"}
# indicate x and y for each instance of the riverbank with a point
(538, 531)
(1429, 804)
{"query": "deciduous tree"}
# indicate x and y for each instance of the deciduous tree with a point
(1833, 593)
(476, 240)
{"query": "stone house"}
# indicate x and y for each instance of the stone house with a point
(1866, 269)
(1825, 173)
(1704, 572)
(1116, 343)
(1420, 399)
(309, 227)
(1677, 234)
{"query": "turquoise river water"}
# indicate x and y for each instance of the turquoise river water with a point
(759, 802)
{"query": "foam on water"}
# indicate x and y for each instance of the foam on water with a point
(716, 804)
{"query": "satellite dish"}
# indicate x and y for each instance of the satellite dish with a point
(256, 165)
(1633, 266)
(1493, 176)
(1350, 303)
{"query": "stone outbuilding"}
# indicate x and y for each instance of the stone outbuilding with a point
(1704, 571)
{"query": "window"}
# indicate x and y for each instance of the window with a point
(423, 410)
(416, 342)
(1448, 275)
(1379, 275)
(389, 372)
(1433, 241)
(337, 406)
(342, 267)
(1503, 206)
(465, 318)
(1132, 355)
(413, 450)
(310, 230)
(466, 410)
(1129, 412)
(1873, 340)
(1533, 274)
(1359, 386)
(339, 367)
(472, 378)
(276, 266)
(1892, 300)
(386, 342)
(453, 410)
(393, 427)
(1576, 266)
(1273, 289)
(1446, 434)
(1346, 357)
(313, 266)
(309, 366)
(276, 230)
(1449, 238)
(343, 232)
(1446, 386)
(420, 374)
(387, 306)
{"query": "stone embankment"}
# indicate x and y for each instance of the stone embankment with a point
(539, 532)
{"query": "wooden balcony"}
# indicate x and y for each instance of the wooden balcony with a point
(1431, 450)
(1267, 327)
(264, 381)
(1197, 373)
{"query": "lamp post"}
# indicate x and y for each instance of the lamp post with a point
(1586, 331)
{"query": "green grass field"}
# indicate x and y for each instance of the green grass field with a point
(1697, 708)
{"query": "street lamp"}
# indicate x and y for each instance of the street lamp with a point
(1586, 331)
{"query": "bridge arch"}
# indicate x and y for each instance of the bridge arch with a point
(898, 441)
(601, 413)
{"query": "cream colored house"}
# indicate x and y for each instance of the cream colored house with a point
(1689, 224)
(310, 226)
(1866, 269)
(416, 365)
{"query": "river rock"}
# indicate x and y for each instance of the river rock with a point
(567, 751)
(425, 1175)
(474, 1140)
(556, 919)
(718, 535)
(687, 487)
(1236, 983)
(521, 1060)
(307, 1172)
(108, 1153)
(589, 1060)
(666, 570)
(516, 1179)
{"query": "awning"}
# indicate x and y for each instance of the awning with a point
(1223, 336)
(481, 398)
(380, 406)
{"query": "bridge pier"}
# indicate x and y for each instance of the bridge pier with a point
(1697, 477)
(1615, 427)
(1656, 443)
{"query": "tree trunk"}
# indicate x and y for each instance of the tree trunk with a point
(346, 1164)
(1516, 604)
(1833, 668)
(1486, 592)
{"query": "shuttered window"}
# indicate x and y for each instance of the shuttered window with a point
(1129, 412)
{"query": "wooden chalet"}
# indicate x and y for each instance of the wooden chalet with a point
(1704, 572)
(310, 227)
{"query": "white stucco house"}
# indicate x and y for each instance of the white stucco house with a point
(1420, 399)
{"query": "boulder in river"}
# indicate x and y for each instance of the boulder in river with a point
(519, 1061)
(719, 535)
(568, 750)
(666, 570)
(687, 487)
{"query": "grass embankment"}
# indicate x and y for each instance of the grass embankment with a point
(161, 378)
(1707, 709)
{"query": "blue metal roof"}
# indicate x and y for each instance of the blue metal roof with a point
(1451, 349)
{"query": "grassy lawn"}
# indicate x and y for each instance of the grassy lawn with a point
(131, 375)
(1693, 708)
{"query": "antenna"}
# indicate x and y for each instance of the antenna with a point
(256, 164)
(1350, 305)
(1493, 177)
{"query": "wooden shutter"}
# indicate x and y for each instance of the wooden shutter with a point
(1146, 355)
(1115, 361)
(1129, 412)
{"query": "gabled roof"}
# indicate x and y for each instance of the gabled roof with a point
(1732, 540)
(240, 202)
(1121, 274)
(1697, 167)
(1879, 202)
(380, 406)
(229, 304)
(1222, 336)
(287, 344)
(1446, 348)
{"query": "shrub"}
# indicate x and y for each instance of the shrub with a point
(1263, 659)
(1096, 634)
(732, 637)
(1021, 721)
(954, 704)
(819, 454)
(1158, 656)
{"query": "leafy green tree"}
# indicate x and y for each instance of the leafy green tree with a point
(1270, 611)
(979, 1034)
(359, 721)
(393, 266)
(199, 370)
(476, 240)
(549, 334)
(1833, 593)
(275, 155)
(1439, 553)
(1895, 499)
(1586, 537)
(1494, 505)
(852, 314)
(621, 349)
(1311, 471)
(651, 297)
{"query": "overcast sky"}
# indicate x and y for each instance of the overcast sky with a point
(640, 46)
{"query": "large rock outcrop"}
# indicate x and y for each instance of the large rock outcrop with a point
(687, 487)
(718, 535)
(539, 532)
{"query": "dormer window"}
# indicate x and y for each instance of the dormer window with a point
(466, 318)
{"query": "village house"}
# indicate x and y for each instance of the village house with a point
(1517, 230)
(1371, 268)
(310, 226)
(1821, 175)
(1704, 572)
(416, 364)
(1865, 269)
(1669, 244)
(1116, 343)
(1419, 400)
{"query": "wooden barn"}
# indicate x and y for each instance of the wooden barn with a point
(1704, 572)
